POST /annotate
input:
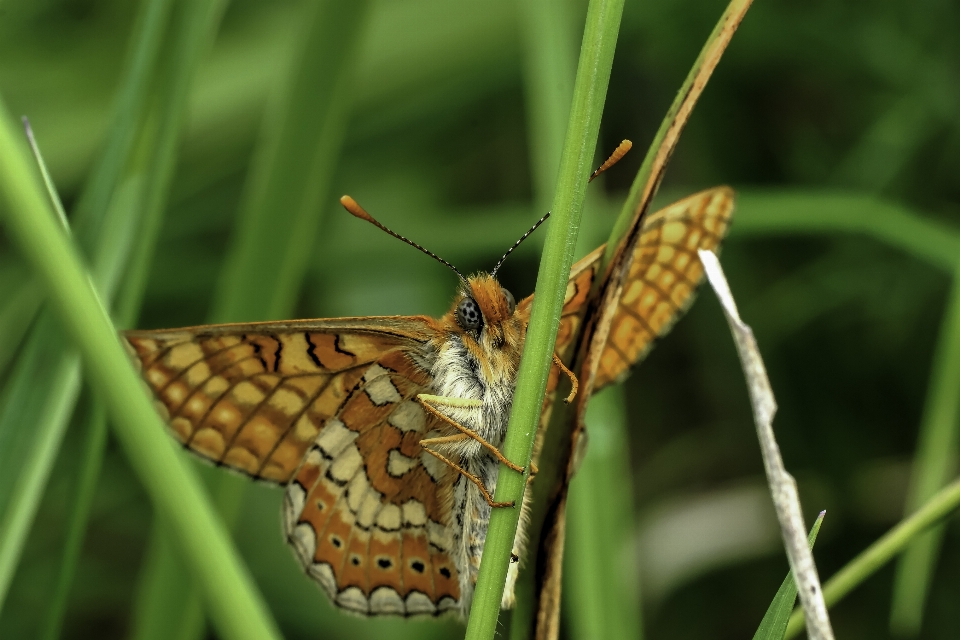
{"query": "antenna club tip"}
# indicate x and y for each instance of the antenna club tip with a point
(355, 209)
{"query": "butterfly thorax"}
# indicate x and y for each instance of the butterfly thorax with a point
(476, 358)
(479, 361)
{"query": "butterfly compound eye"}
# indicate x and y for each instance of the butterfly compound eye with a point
(468, 315)
(511, 301)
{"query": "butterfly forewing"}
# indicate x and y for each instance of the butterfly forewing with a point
(367, 512)
(253, 397)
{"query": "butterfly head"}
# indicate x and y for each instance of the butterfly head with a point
(486, 313)
(483, 310)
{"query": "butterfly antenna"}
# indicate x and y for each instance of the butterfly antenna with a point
(614, 158)
(517, 243)
(357, 211)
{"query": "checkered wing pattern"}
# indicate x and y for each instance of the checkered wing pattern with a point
(327, 408)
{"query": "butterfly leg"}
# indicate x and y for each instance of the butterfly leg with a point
(428, 401)
(574, 384)
(425, 445)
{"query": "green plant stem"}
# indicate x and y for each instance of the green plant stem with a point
(589, 94)
(549, 34)
(601, 582)
(933, 465)
(550, 490)
(235, 605)
(648, 178)
(142, 202)
(91, 460)
(28, 487)
(883, 550)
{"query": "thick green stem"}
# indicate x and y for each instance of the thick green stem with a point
(601, 583)
(549, 34)
(934, 464)
(589, 94)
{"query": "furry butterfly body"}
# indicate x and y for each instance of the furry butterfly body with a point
(385, 430)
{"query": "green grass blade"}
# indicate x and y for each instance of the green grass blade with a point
(784, 211)
(47, 180)
(774, 622)
(855, 572)
(95, 441)
(601, 583)
(129, 111)
(590, 88)
(648, 178)
(933, 465)
(133, 218)
(43, 386)
(549, 56)
(235, 605)
(642, 190)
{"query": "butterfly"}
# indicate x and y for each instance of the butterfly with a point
(385, 431)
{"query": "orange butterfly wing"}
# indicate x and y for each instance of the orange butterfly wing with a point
(328, 408)
(664, 275)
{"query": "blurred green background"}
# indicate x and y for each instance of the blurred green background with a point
(836, 122)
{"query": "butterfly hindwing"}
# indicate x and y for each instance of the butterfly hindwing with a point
(367, 510)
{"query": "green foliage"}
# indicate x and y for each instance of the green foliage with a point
(835, 123)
